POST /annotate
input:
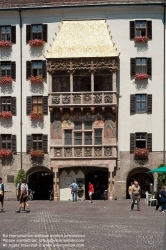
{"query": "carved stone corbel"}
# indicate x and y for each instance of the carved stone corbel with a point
(51, 110)
(92, 110)
(103, 109)
(82, 110)
(61, 110)
(113, 109)
(72, 110)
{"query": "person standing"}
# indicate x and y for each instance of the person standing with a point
(158, 198)
(18, 193)
(74, 189)
(136, 195)
(163, 200)
(2, 193)
(91, 191)
(129, 190)
(23, 196)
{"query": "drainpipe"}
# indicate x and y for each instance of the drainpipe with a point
(21, 123)
(164, 91)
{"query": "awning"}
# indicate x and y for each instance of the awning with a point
(80, 39)
(158, 170)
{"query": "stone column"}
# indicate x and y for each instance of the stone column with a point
(92, 81)
(110, 186)
(55, 185)
(71, 81)
(114, 81)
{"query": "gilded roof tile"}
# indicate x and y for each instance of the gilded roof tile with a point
(77, 39)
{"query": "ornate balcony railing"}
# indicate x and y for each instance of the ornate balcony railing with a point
(87, 151)
(83, 98)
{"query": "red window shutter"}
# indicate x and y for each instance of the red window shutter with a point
(13, 34)
(132, 66)
(13, 70)
(45, 32)
(132, 30)
(149, 29)
(149, 66)
(28, 33)
(132, 143)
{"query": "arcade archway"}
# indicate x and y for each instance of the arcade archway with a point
(99, 178)
(40, 179)
(143, 177)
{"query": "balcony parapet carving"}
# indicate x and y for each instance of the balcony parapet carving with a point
(87, 151)
(91, 64)
(75, 99)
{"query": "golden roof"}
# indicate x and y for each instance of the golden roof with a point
(77, 39)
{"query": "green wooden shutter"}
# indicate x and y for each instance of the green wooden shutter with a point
(13, 70)
(29, 143)
(28, 69)
(45, 105)
(29, 105)
(149, 66)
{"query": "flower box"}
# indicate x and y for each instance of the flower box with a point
(36, 153)
(141, 153)
(36, 42)
(6, 114)
(5, 79)
(36, 115)
(140, 76)
(140, 39)
(36, 79)
(5, 153)
(5, 44)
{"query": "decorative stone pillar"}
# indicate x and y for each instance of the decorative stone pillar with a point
(71, 81)
(114, 81)
(55, 185)
(110, 186)
(92, 81)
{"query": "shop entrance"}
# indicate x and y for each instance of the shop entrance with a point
(99, 179)
(144, 179)
(40, 182)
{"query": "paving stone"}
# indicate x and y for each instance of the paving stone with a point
(100, 225)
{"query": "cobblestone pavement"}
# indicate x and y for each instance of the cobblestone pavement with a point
(102, 225)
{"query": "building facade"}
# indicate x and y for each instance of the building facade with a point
(82, 95)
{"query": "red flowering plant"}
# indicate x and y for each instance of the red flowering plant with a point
(36, 153)
(36, 115)
(6, 114)
(140, 76)
(5, 79)
(143, 39)
(5, 153)
(5, 44)
(36, 79)
(36, 42)
(141, 153)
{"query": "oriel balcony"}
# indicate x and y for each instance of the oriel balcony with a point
(86, 151)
